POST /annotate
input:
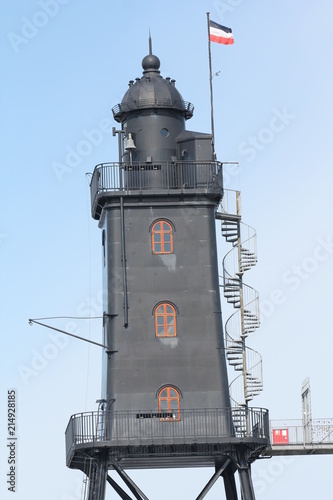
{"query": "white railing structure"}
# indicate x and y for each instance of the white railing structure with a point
(293, 437)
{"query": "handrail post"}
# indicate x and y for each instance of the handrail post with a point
(238, 204)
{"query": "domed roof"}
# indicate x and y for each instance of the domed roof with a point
(151, 91)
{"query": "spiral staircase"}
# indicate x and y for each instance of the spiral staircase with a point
(245, 300)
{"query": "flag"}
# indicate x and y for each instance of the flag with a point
(220, 34)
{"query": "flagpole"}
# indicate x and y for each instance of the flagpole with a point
(211, 87)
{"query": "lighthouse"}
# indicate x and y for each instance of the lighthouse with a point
(165, 399)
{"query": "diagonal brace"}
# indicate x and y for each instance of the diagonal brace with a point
(213, 480)
(139, 495)
(118, 489)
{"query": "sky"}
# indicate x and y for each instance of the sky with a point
(65, 64)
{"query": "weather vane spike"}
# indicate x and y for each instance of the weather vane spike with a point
(150, 44)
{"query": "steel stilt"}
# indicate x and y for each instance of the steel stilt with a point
(97, 480)
(230, 483)
(246, 484)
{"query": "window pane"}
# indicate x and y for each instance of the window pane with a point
(157, 248)
(167, 238)
(160, 330)
(174, 404)
(160, 320)
(157, 227)
(157, 237)
(164, 405)
(173, 393)
(167, 248)
(166, 226)
(169, 309)
(170, 330)
(170, 320)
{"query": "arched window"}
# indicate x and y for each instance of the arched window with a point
(165, 321)
(162, 237)
(168, 404)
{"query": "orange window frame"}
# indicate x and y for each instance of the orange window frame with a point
(169, 402)
(165, 320)
(162, 237)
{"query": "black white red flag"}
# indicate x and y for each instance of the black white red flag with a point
(220, 34)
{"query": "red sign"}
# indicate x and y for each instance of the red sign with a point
(280, 436)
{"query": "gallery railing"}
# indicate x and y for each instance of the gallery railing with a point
(136, 428)
(167, 177)
(181, 105)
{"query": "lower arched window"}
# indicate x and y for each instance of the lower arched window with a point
(169, 404)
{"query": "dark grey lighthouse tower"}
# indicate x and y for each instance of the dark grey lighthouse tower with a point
(165, 397)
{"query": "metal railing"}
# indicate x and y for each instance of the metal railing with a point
(153, 102)
(292, 432)
(231, 202)
(129, 178)
(136, 428)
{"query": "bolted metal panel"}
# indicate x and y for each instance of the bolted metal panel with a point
(194, 360)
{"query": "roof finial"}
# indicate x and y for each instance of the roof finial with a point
(151, 63)
(150, 44)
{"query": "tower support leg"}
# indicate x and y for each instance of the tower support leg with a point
(97, 480)
(230, 483)
(246, 483)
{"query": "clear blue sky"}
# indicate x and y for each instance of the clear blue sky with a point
(65, 63)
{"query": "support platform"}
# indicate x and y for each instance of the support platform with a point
(100, 441)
